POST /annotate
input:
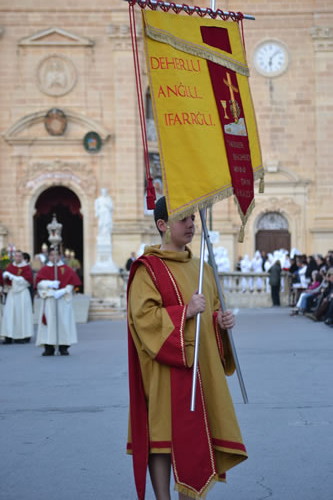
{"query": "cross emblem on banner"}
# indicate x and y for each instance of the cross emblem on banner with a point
(233, 103)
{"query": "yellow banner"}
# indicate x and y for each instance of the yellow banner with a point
(203, 111)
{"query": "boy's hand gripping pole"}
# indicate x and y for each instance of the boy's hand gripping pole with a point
(198, 318)
(223, 307)
(205, 238)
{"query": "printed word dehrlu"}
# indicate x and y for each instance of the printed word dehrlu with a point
(175, 63)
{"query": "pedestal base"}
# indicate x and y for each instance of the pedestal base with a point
(107, 286)
(104, 263)
(104, 267)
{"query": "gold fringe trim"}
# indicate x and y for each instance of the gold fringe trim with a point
(194, 494)
(262, 185)
(260, 174)
(244, 218)
(196, 50)
(187, 211)
(241, 234)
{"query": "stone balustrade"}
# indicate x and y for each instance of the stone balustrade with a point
(252, 289)
(243, 289)
(240, 290)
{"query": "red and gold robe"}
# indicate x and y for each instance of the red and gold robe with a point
(65, 275)
(24, 271)
(207, 442)
(56, 325)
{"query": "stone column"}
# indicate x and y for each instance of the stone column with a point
(322, 37)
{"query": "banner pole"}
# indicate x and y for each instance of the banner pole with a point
(223, 307)
(188, 8)
(198, 318)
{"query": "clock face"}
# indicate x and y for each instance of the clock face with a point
(271, 58)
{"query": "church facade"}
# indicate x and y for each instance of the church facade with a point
(69, 128)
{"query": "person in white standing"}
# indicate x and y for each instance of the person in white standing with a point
(17, 321)
(55, 284)
(256, 266)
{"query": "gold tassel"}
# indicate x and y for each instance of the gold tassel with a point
(241, 234)
(261, 185)
(167, 235)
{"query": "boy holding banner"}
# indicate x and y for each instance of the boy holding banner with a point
(200, 445)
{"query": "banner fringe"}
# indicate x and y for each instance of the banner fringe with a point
(262, 185)
(223, 60)
(241, 234)
(260, 174)
(208, 202)
(244, 218)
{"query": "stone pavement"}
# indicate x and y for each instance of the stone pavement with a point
(63, 420)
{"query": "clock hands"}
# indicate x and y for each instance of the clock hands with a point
(270, 62)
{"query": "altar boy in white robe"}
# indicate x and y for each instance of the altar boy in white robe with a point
(56, 326)
(17, 321)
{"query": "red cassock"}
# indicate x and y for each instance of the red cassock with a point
(64, 274)
(24, 271)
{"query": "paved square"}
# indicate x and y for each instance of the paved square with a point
(64, 419)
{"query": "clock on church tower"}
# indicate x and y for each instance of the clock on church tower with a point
(271, 58)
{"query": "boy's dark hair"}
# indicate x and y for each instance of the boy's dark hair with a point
(161, 211)
(26, 256)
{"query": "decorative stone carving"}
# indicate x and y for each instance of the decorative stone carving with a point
(322, 38)
(122, 30)
(55, 37)
(280, 205)
(16, 134)
(272, 220)
(55, 122)
(56, 75)
(121, 37)
(51, 172)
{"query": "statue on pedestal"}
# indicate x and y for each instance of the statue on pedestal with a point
(104, 214)
(104, 211)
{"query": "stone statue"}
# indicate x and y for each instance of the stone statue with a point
(104, 211)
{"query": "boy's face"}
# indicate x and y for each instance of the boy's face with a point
(182, 231)
(53, 257)
(18, 258)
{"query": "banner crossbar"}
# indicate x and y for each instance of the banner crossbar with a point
(188, 9)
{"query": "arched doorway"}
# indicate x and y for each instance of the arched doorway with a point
(66, 205)
(272, 232)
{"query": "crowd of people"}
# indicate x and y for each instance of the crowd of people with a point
(312, 287)
(309, 278)
(54, 282)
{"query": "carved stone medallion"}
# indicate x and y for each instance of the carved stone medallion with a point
(56, 75)
(55, 122)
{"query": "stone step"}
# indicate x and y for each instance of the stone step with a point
(104, 310)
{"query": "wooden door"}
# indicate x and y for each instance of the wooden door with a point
(268, 240)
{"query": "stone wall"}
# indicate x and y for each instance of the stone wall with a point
(77, 56)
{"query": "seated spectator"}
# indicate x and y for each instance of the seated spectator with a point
(293, 266)
(329, 259)
(312, 290)
(299, 281)
(321, 264)
(304, 281)
(323, 306)
(311, 266)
